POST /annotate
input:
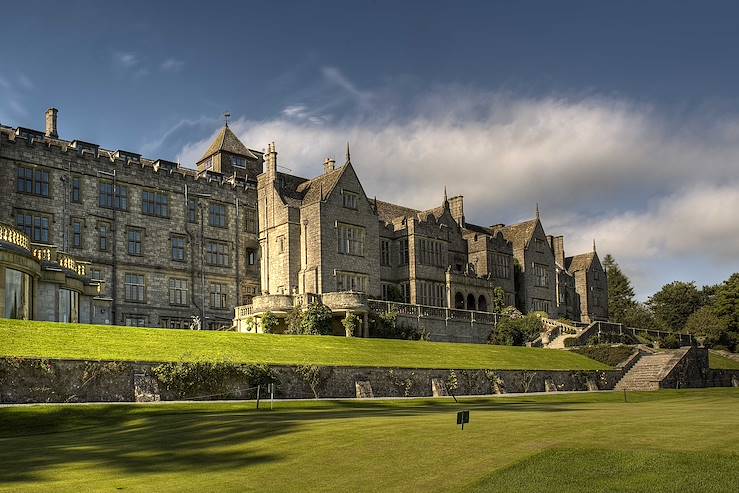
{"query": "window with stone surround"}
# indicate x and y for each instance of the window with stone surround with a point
(218, 295)
(541, 275)
(34, 181)
(351, 281)
(103, 236)
(178, 248)
(403, 253)
(36, 226)
(106, 199)
(251, 220)
(77, 233)
(135, 288)
(192, 211)
(76, 193)
(430, 252)
(154, 203)
(216, 253)
(350, 199)
(540, 305)
(384, 252)
(135, 321)
(178, 292)
(134, 241)
(351, 239)
(502, 266)
(431, 293)
(217, 215)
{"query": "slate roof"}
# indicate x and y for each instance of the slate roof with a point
(518, 234)
(478, 229)
(227, 141)
(387, 211)
(320, 186)
(579, 262)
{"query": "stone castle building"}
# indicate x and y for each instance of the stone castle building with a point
(101, 236)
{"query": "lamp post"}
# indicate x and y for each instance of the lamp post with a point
(114, 280)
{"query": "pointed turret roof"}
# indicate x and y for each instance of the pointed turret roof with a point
(227, 141)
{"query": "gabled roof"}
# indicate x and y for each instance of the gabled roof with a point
(579, 262)
(227, 141)
(518, 234)
(319, 187)
(387, 211)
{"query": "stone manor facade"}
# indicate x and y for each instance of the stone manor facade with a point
(101, 236)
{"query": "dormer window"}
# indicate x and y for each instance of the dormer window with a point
(238, 162)
(208, 163)
(350, 199)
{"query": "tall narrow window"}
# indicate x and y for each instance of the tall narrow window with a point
(178, 292)
(178, 248)
(134, 242)
(350, 199)
(218, 295)
(192, 211)
(217, 215)
(41, 229)
(384, 252)
(217, 254)
(76, 189)
(351, 240)
(251, 220)
(77, 234)
(103, 237)
(134, 288)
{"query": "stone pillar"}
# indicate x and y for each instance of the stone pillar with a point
(365, 325)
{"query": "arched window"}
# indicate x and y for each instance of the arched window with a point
(482, 304)
(470, 301)
(459, 301)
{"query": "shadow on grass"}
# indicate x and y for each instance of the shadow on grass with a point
(131, 441)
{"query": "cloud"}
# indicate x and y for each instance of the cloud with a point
(337, 78)
(650, 190)
(25, 82)
(125, 60)
(172, 65)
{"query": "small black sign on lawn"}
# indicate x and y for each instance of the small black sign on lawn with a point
(463, 417)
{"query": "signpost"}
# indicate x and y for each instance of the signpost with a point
(463, 417)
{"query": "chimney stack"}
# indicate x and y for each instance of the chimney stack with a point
(329, 165)
(272, 161)
(51, 123)
(558, 247)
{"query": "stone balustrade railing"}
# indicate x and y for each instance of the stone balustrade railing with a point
(49, 253)
(14, 236)
(436, 312)
(244, 311)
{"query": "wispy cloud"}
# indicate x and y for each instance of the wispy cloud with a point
(172, 65)
(25, 82)
(126, 60)
(337, 77)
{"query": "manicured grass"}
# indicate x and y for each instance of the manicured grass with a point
(719, 362)
(685, 440)
(72, 341)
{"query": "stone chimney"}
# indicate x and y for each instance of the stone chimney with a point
(329, 165)
(272, 161)
(558, 247)
(456, 207)
(51, 123)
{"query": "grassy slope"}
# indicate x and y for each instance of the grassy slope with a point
(68, 341)
(719, 362)
(660, 441)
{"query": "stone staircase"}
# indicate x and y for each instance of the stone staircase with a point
(650, 370)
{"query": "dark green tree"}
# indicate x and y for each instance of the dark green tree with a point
(705, 324)
(620, 291)
(498, 300)
(674, 303)
(639, 315)
(726, 302)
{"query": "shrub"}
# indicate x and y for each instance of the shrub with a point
(269, 321)
(452, 382)
(516, 331)
(294, 320)
(571, 342)
(670, 342)
(205, 378)
(316, 320)
(350, 323)
(609, 355)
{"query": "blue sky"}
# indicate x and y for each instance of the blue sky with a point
(620, 118)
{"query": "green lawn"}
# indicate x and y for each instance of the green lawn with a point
(665, 441)
(719, 362)
(71, 341)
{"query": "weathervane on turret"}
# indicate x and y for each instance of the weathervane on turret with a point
(226, 116)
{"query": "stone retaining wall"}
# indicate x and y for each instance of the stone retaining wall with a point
(33, 380)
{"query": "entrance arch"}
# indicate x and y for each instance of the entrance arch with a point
(482, 304)
(459, 301)
(471, 301)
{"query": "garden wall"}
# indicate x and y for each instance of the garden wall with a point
(440, 330)
(33, 380)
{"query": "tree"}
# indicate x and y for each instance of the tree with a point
(498, 300)
(639, 315)
(675, 302)
(726, 302)
(620, 291)
(704, 323)
(516, 332)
